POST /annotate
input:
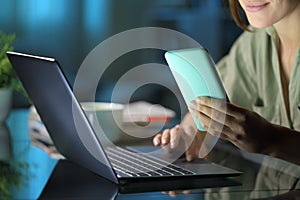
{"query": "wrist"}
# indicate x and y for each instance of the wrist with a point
(272, 147)
(284, 144)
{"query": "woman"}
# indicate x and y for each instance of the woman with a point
(261, 75)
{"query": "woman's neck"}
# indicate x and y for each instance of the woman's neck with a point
(288, 30)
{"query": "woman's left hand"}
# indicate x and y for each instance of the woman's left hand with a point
(244, 128)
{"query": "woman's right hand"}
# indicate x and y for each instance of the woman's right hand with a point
(184, 137)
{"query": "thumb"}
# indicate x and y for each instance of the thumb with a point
(190, 130)
(190, 142)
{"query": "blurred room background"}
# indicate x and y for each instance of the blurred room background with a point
(69, 29)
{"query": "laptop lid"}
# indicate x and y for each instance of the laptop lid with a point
(74, 137)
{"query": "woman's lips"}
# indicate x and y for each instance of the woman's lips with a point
(256, 6)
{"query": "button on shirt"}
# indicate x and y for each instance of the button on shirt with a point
(251, 77)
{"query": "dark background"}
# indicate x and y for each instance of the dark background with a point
(69, 29)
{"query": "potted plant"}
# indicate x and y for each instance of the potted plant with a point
(11, 174)
(8, 78)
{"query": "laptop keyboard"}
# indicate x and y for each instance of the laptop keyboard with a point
(135, 165)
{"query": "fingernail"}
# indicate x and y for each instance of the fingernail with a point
(163, 140)
(193, 113)
(172, 145)
(193, 104)
(189, 157)
(204, 100)
(155, 142)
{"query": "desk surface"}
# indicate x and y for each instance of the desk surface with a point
(27, 172)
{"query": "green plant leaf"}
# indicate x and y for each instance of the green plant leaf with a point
(8, 77)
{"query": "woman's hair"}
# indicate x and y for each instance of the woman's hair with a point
(235, 12)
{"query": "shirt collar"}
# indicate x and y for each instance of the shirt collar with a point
(271, 31)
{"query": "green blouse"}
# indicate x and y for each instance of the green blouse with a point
(251, 77)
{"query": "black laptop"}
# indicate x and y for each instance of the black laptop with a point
(74, 137)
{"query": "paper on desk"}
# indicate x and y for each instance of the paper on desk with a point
(142, 111)
(37, 129)
(39, 135)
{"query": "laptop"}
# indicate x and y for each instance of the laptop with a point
(75, 139)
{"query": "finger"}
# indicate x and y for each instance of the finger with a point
(202, 118)
(225, 133)
(190, 153)
(174, 135)
(192, 144)
(212, 114)
(216, 128)
(195, 147)
(221, 105)
(157, 140)
(217, 104)
(218, 116)
(190, 130)
(187, 192)
(173, 193)
(165, 139)
(229, 128)
(177, 192)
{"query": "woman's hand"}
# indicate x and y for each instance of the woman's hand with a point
(184, 137)
(244, 128)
